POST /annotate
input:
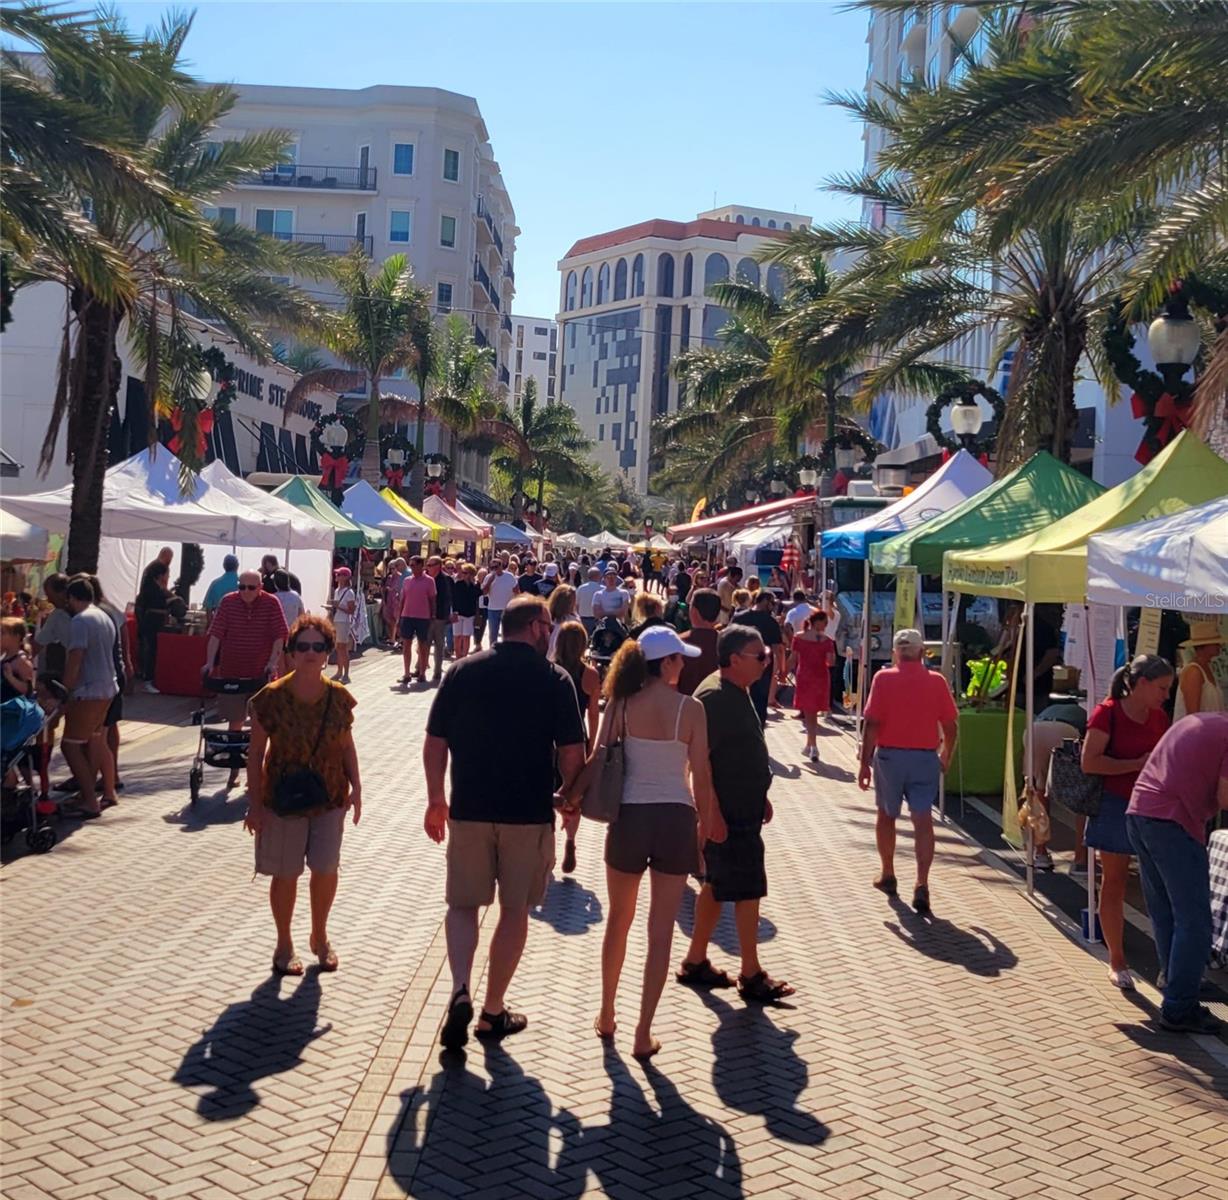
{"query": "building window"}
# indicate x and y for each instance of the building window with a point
(754, 221)
(451, 165)
(519, 360)
(788, 225)
(539, 355)
(276, 222)
(541, 330)
(620, 280)
(443, 297)
(601, 433)
(776, 281)
(569, 292)
(554, 339)
(403, 158)
(586, 288)
(603, 284)
(748, 272)
(447, 232)
(550, 388)
(716, 270)
(225, 217)
(688, 275)
(637, 276)
(665, 275)
(740, 219)
(772, 224)
(519, 335)
(398, 225)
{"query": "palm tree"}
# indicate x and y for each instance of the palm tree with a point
(374, 333)
(462, 399)
(172, 257)
(588, 507)
(539, 444)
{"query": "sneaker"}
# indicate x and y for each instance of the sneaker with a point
(149, 687)
(1201, 1020)
(1121, 979)
(1043, 860)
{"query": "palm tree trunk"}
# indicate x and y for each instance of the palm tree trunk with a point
(371, 465)
(95, 384)
(541, 490)
(417, 477)
(518, 500)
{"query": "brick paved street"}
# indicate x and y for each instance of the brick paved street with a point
(149, 1053)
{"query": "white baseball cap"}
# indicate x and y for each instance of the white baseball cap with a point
(908, 638)
(660, 641)
(551, 570)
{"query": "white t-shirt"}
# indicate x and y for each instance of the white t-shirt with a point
(798, 615)
(584, 597)
(292, 605)
(611, 602)
(500, 589)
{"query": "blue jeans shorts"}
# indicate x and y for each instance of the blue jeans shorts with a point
(911, 775)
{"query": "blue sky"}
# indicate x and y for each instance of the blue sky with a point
(600, 115)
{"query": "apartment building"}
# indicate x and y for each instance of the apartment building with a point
(389, 170)
(631, 300)
(535, 344)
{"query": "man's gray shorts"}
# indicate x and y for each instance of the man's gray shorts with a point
(906, 775)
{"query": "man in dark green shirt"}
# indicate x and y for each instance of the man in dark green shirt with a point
(741, 774)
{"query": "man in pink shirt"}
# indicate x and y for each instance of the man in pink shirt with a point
(910, 728)
(1181, 787)
(417, 612)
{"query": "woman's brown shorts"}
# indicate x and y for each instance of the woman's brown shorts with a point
(661, 836)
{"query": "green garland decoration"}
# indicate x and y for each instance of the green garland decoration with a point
(223, 372)
(355, 443)
(847, 439)
(959, 392)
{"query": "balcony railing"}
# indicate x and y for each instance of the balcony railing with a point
(508, 273)
(479, 273)
(504, 377)
(302, 175)
(507, 323)
(479, 337)
(330, 243)
(484, 213)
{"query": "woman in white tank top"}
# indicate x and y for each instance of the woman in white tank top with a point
(1197, 690)
(668, 805)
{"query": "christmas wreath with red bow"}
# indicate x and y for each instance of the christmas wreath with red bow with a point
(337, 439)
(193, 415)
(1164, 406)
(433, 486)
(396, 458)
(960, 393)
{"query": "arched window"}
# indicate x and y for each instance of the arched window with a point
(748, 272)
(772, 224)
(569, 301)
(788, 225)
(716, 270)
(603, 284)
(586, 288)
(637, 276)
(665, 275)
(620, 280)
(754, 220)
(688, 275)
(740, 219)
(776, 281)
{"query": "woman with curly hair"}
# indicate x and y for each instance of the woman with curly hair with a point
(302, 723)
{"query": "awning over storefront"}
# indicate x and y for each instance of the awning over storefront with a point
(1050, 566)
(481, 503)
(1030, 498)
(725, 522)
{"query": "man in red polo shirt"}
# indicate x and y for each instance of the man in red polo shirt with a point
(910, 728)
(249, 630)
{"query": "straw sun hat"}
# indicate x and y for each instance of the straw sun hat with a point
(1204, 633)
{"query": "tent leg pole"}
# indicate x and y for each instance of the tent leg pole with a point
(864, 682)
(1029, 704)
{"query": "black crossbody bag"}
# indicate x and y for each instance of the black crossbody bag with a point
(300, 791)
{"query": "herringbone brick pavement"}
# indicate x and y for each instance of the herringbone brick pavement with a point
(148, 1053)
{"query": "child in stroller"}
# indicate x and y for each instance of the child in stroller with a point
(22, 806)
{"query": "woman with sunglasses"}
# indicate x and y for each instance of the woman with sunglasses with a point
(303, 721)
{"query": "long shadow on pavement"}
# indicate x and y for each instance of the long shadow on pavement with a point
(756, 1069)
(249, 1041)
(974, 949)
(569, 907)
(726, 934)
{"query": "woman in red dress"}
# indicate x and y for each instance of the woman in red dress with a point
(814, 655)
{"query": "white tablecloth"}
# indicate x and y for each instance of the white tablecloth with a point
(1217, 848)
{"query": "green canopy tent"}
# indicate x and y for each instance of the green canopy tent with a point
(302, 493)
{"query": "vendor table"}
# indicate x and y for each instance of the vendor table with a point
(976, 767)
(1217, 849)
(180, 659)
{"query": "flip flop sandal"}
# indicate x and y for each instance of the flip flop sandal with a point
(703, 975)
(327, 956)
(606, 1035)
(456, 1025)
(762, 989)
(288, 966)
(502, 1025)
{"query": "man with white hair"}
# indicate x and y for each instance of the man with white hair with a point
(584, 599)
(910, 729)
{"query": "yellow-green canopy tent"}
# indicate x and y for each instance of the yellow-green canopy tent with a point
(1050, 566)
(404, 506)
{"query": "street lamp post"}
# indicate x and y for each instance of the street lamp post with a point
(1174, 341)
(966, 421)
(777, 486)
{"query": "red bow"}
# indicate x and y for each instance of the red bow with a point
(1170, 417)
(394, 475)
(205, 421)
(335, 470)
(433, 487)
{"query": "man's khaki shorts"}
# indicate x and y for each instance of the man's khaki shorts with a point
(517, 857)
(84, 718)
(285, 843)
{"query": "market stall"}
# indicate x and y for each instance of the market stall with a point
(509, 535)
(728, 522)
(348, 534)
(610, 541)
(363, 504)
(455, 527)
(431, 531)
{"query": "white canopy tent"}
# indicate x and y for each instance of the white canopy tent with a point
(773, 534)
(143, 508)
(610, 541)
(362, 503)
(20, 541)
(1177, 561)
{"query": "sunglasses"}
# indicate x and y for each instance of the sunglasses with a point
(310, 648)
(758, 655)
(249, 587)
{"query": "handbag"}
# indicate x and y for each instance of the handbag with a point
(1069, 784)
(603, 796)
(302, 790)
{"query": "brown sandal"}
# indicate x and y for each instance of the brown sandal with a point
(293, 965)
(327, 956)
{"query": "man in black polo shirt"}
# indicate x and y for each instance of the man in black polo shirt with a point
(500, 714)
(759, 617)
(443, 612)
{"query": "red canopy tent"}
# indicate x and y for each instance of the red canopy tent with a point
(724, 522)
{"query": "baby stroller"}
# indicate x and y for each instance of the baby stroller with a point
(22, 805)
(604, 641)
(219, 746)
